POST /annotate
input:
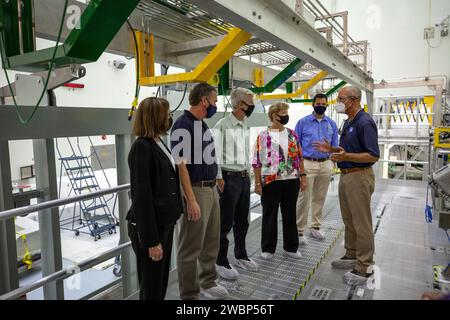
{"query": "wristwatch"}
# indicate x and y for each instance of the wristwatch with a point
(303, 174)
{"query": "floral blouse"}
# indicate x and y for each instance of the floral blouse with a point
(271, 159)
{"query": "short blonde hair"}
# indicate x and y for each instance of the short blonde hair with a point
(152, 118)
(277, 107)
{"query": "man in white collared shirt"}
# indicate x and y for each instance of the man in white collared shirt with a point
(233, 181)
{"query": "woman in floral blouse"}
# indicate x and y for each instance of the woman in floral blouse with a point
(279, 173)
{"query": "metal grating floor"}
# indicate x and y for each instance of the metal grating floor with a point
(404, 254)
(281, 277)
(406, 248)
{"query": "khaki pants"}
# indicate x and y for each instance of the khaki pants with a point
(318, 175)
(199, 244)
(355, 193)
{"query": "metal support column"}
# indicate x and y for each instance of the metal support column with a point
(345, 18)
(163, 89)
(45, 166)
(370, 101)
(9, 278)
(426, 167)
(437, 108)
(128, 259)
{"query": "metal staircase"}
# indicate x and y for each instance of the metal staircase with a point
(94, 216)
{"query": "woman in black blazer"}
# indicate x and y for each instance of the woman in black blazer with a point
(156, 198)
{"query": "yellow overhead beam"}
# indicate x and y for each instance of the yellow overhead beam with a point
(146, 54)
(329, 103)
(312, 82)
(258, 77)
(223, 52)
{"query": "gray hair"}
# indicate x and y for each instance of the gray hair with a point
(238, 95)
(354, 92)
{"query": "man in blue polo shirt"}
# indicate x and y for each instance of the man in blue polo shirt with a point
(357, 152)
(194, 152)
(318, 168)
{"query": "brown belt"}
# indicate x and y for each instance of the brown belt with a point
(316, 159)
(354, 169)
(204, 184)
(242, 174)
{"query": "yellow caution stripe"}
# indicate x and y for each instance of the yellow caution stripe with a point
(313, 271)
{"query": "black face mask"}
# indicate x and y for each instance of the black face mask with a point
(320, 109)
(283, 119)
(210, 110)
(250, 108)
(169, 124)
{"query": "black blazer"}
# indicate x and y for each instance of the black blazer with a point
(155, 191)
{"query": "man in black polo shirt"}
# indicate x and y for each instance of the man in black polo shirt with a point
(194, 152)
(358, 150)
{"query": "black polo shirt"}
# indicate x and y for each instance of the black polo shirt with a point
(192, 141)
(358, 136)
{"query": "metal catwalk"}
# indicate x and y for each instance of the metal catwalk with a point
(406, 250)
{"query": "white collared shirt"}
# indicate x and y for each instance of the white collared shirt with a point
(231, 137)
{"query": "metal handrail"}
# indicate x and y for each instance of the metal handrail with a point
(67, 272)
(402, 161)
(8, 214)
(405, 114)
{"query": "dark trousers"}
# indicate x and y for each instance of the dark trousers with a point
(153, 276)
(279, 194)
(234, 211)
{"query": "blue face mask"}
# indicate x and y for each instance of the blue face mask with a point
(211, 110)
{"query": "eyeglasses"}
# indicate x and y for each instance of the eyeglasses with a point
(341, 99)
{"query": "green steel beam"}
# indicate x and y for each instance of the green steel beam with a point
(9, 23)
(301, 100)
(27, 26)
(328, 93)
(336, 88)
(224, 79)
(289, 87)
(281, 77)
(99, 24)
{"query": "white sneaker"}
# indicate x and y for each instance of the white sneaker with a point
(266, 255)
(224, 272)
(344, 263)
(302, 240)
(249, 264)
(296, 255)
(354, 278)
(318, 234)
(215, 293)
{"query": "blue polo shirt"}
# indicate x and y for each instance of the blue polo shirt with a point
(192, 141)
(358, 136)
(309, 130)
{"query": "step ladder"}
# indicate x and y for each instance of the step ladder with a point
(94, 216)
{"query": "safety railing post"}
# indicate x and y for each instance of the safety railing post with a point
(49, 229)
(128, 259)
(9, 278)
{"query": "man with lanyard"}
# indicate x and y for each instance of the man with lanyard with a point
(318, 168)
(357, 153)
(232, 134)
(194, 152)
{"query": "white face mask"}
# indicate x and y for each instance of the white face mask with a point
(340, 107)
